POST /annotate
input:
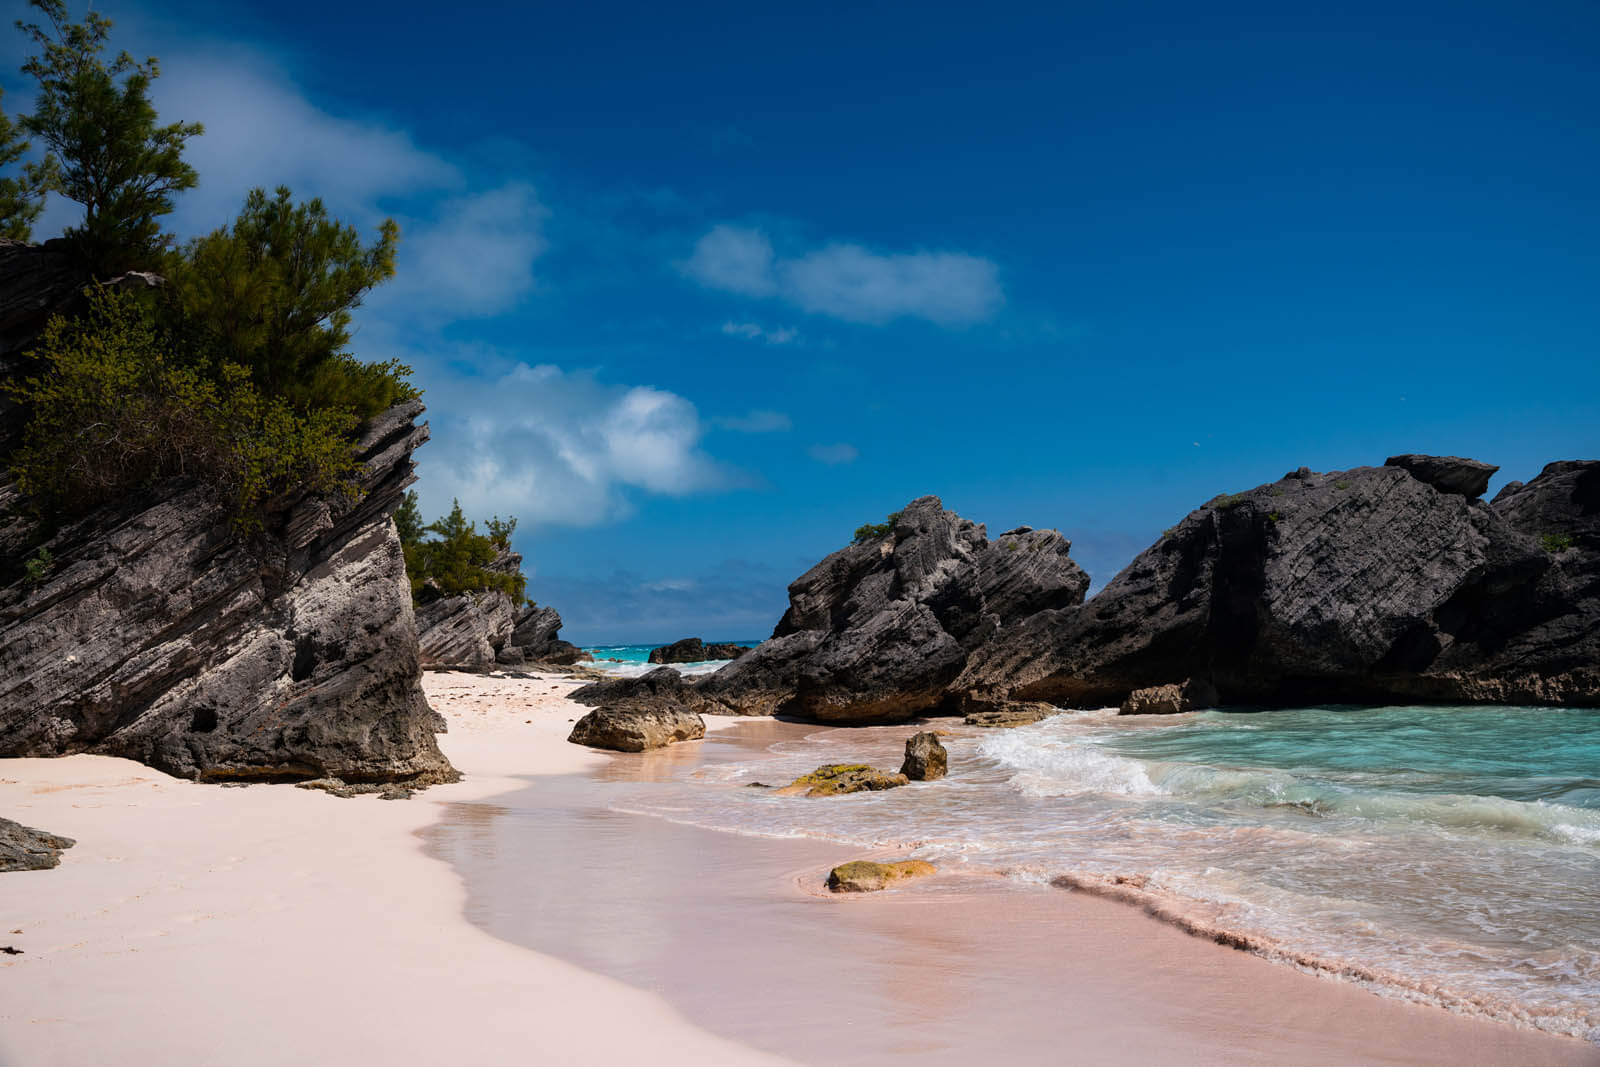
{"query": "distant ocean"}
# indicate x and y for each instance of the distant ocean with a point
(633, 660)
(1440, 854)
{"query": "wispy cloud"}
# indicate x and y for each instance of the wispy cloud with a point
(848, 281)
(834, 455)
(754, 331)
(755, 422)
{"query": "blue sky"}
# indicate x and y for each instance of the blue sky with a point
(696, 289)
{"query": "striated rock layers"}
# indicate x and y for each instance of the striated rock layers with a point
(879, 631)
(147, 630)
(22, 848)
(1377, 584)
(477, 631)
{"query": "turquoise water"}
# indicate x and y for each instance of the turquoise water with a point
(627, 660)
(1450, 855)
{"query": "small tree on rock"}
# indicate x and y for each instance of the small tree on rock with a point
(104, 148)
(20, 198)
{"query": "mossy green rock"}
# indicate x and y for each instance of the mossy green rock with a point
(864, 876)
(834, 778)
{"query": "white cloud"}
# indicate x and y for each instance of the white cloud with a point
(834, 455)
(752, 331)
(734, 259)
(847, 281)
(851, 283)
(475, 260)
(551, 446)
(755, 422)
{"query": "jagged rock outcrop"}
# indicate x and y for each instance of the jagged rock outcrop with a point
(158, 635)
(660, 689)
(22, 848)
(478, 631)
(879, 630)
(694, 650)
(1367, 585)
(926, 757)
(1448, 474)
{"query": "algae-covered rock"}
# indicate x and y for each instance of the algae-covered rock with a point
(1170, 699)
(926, 759)
(832, 779)
(864, 876)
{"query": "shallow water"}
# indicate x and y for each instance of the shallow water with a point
(631, 661)
(1443, 854)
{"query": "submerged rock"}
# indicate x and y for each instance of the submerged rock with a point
(833, 779)
(638, 729)
(864, 876)
(1009, 713)
(879, 630)
(22, 848)
(926, 758)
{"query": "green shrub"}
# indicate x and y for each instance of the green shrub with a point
(38, 565)
(874, 530)
(1555, 543)
(115, 407)
(457, 558)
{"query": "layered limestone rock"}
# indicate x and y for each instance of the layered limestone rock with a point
(926, 757)
(1369, 585)
(156, 634)
(637, 729)
(879, 630)
(478, 631)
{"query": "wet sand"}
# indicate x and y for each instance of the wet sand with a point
(739, 933)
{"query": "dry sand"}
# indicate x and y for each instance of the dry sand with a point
(198, 925)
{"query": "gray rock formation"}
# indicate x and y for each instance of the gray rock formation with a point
(478, 631)
(1368, 585)
(926, 757)
(637, 729)
(159, 636)
(694, 650)
(660, 689)
(1448, 474)
(879, 630)
(22, 848)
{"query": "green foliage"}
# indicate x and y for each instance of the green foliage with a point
(115, 407)
(104, 148)
(274, 292)
(20, 199)
(1555, 543)
(1341, 484)
(874, 530)
(38, 565)
(457, 558)
(1226, 501)
(1275, 517)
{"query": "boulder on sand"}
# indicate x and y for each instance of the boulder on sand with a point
(864, 876)
(926, 758)
(636, 730)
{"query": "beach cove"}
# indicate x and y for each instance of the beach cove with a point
(190, 922)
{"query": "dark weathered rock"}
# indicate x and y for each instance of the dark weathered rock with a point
(834, 779)
(864, 876)
(661, 689)
(688, 650)
(158, 635)
(22, 848)
(1368, 585)
(879, 630)
(725, 650)
(1170, 699)
(1448, 474)
(926, 757)
(636, 729)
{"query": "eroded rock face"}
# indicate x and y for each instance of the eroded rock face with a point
(878, 631)
(1448, 474)
(22, 848)
(1009, 713)
(1170, 699)
(1367, 585)
(637, 729)
(660, 689)
(926, 757)
(158, 636)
